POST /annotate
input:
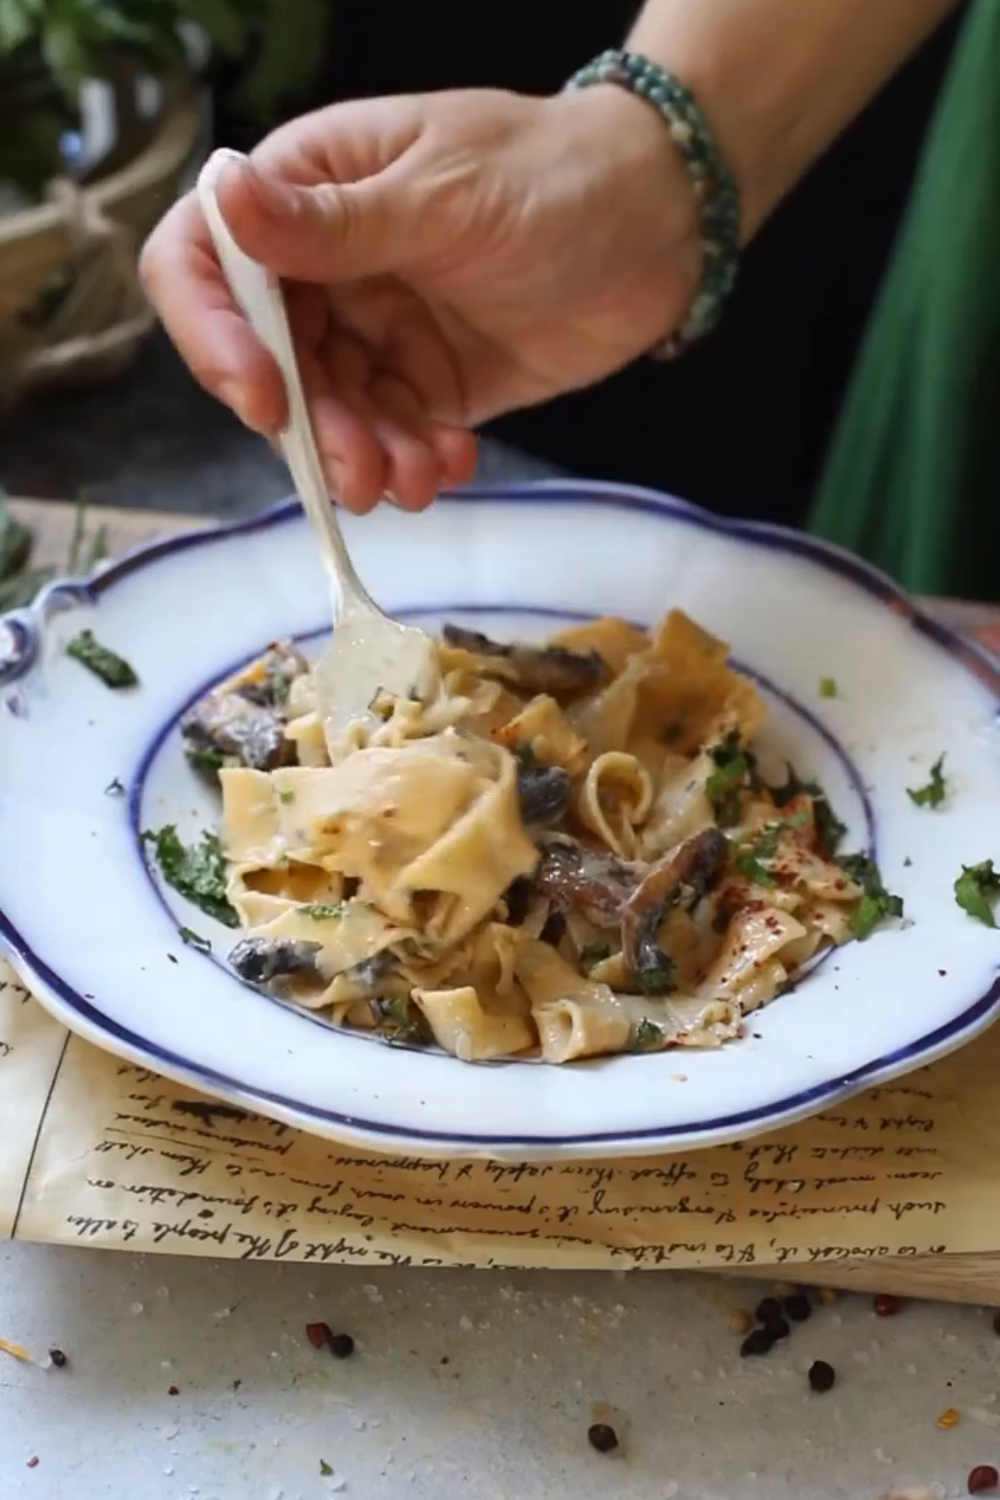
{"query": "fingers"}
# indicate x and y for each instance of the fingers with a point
(186, 286)
(328, 232)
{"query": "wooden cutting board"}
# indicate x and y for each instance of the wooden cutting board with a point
(957, 1278)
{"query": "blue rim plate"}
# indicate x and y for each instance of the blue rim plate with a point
(90, 930)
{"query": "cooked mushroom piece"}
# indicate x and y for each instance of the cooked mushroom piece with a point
(538, 669)
(282, 663)
(685, 876)
(230, 725)
(544, 793)
(262, 960)
(577, 879)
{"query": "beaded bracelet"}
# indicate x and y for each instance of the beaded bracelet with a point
(714, 185)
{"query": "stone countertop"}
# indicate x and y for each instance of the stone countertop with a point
(155, 441)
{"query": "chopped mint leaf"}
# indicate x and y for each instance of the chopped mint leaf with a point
(935, 791)
(195, 940)
(286, 795)
(325, 1469)
(648, 1037)
(206, 758)
(877, 904)
(197, 872)
(113, 670)
(320, 912)
(976, 891)
(827, 687)
(594, 953)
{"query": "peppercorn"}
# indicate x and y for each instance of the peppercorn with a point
(996, 1323)
(798, 1308)
(602, 1437)
(761, 1341)
(58, 1358)
(777, 1328)
(822, 1377)
(827, 1295)
(318, 1334)
(769, 1308)
(886, 1306)
(740, 1321)
(983, 1478)
(341, 1345)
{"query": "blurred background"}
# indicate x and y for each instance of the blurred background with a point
(107, 107)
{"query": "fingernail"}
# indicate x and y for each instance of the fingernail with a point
(231, 392)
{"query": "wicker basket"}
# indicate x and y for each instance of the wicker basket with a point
(84, 242)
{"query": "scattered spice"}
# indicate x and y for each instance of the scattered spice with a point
(949, 1419)
(798, 1307)
(113, 670)
(172, 1390)
(602, 1437)
(778, 1328)
(318, 1334)
(58, 1358)
(760, 1341)
(975, 891)
(740, 1321)
(983, 1479)
(341, 1345)
(767, 1309)
(886, 1306)
(822, 1377)
(934, 793)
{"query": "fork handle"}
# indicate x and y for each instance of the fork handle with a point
(259, 295)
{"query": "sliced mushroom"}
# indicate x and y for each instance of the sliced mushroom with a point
(577, 879)
(231, 725)
(262, 960)
(685, 876)
(544, 793)
(537, 669)
(282, 663)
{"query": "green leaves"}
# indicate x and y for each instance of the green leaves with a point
(197, 872)
(877, 904)
(976, 891)
(934, 793)
(113, 670)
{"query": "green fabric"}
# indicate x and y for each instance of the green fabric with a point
(913, 478)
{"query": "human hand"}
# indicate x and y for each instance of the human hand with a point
(446, 258)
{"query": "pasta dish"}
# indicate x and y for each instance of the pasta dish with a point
(568, 851)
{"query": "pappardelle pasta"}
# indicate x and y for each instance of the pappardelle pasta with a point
(570, 851)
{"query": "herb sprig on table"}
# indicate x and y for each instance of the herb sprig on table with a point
(19, 580)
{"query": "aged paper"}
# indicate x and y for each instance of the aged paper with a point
(121, 1157)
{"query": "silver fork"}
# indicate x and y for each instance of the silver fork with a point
(368, 651)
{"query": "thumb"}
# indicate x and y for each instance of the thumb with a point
(332, 232)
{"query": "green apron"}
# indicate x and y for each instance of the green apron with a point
(912, 481)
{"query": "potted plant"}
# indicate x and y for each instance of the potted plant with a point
(103, 117)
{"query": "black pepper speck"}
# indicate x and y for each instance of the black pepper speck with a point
(602, 1437)
(761, 1341)
(822, 1377)
(798, 1308)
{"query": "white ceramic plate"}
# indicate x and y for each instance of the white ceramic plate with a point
(94, 934)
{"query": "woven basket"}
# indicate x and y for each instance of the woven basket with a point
(81, 249)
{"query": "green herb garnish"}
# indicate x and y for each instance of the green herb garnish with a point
(877, 904)
(830, 830)
(286, 795)
(113, 670)
(325, 1469)
(594, 953)
(115, 788)
(401, 1022)
(976, 891)
(15, 543)
(827, 687)
(195, 940)
(657, 981)
(934, 793)
(205, 758)
(525, 755)
(749, 860)
(648, 1037)
(749, 865)
(736, 769)
(197, 872)
(320, 912)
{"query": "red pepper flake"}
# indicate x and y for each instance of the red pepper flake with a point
(173, 1391)
(887, 1306)
(33, 1462)
(318, 1334)
(983, 1479)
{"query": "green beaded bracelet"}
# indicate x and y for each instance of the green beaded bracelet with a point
(714, 185)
